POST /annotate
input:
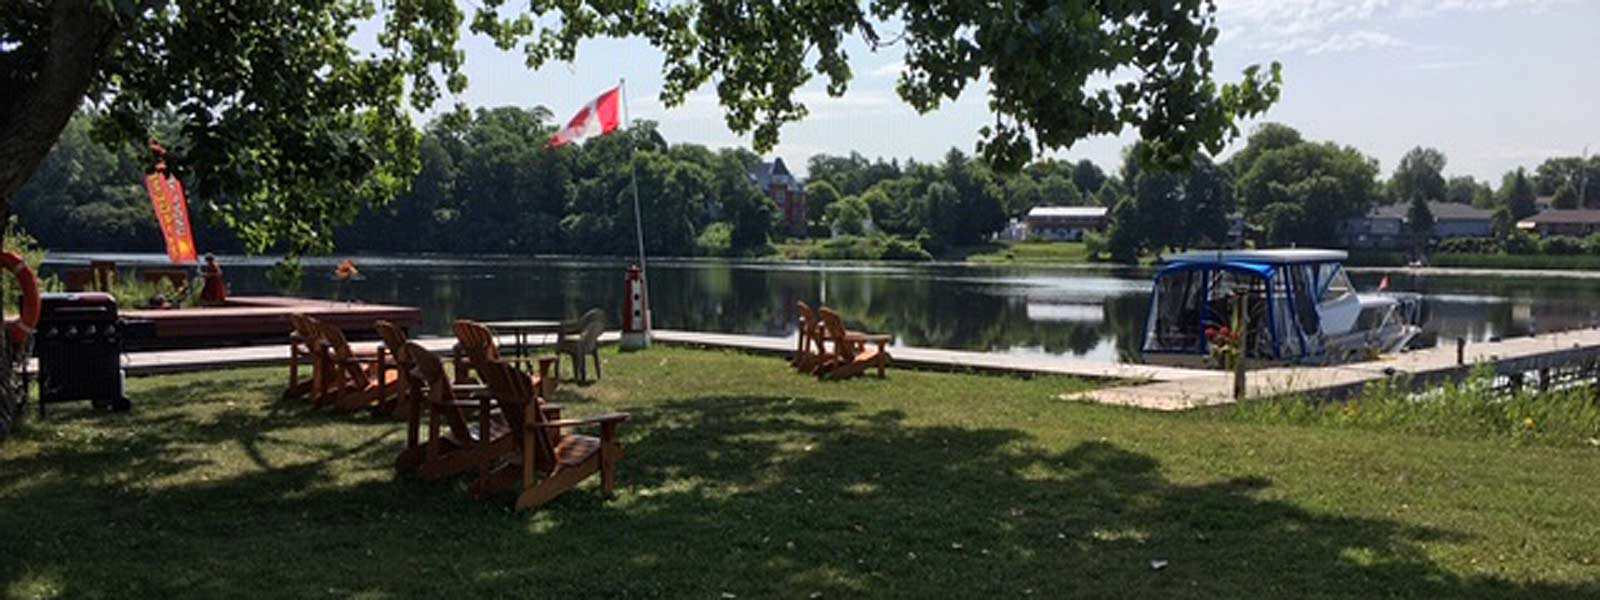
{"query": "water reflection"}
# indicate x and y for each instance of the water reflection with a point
(1091, 313)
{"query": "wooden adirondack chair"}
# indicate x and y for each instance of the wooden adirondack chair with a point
(306, 344)
(356, 381)
(299, 352)
(809, 352)
(548, 461)
(454, 445)
(850, 355)
(476, 345)
(408, 394)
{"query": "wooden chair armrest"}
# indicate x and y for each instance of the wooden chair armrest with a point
(468, 390)
(575, 422)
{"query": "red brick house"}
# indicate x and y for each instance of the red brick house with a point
(774, 180)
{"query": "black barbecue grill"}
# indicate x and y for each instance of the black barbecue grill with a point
(79, 347)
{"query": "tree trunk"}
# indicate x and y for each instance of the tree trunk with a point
(81, 35)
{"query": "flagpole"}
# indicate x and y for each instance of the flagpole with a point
(638, 222)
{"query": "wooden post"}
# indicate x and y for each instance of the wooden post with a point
(1461, 351)
(1241, 327)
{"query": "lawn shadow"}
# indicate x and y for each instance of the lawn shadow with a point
(750, 496)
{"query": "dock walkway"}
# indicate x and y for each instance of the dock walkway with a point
(1146, 386)
(173, 361)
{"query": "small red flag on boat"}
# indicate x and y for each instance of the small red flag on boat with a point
(1383, 285)
(599, 117)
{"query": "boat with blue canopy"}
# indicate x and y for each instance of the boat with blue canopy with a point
(1298, 302)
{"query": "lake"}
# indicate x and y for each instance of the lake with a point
(1084, 311)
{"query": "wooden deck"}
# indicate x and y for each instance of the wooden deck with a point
(259, 319)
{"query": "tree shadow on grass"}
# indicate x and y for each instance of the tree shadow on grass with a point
(752, 496)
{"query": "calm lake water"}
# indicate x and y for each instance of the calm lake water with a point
(1082, 312)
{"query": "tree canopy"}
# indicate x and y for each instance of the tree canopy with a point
(1420, 174)
(285, 128)
(1300, 191)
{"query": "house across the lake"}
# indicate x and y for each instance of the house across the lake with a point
(1386, 226)
(774, 180)
(1064, 223)
(1576, 222)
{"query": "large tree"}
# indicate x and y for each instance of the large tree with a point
(1324, 183)
(286, 128)
(1420, 174)
(1517, 195)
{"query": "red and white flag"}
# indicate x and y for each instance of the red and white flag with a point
(600, 117)
(1383, 285)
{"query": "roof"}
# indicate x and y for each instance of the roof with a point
(1274, 256)
(1568, 215)
(1078, 212)
(1259, 269)
(764, 174)
(1442, 211)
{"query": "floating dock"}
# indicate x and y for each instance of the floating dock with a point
(260, 319)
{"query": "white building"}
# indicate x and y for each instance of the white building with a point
(1064, 223)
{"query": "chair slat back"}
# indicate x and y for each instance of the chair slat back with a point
(833, 329)
(429, 370)
(519, 402)
(305, 327)
(339, 348)
(807, 320)
(594, 324)
(393, 337)
(477, 342)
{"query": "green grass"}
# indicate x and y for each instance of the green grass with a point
(746, 480)
(867, 247)
(1027, 253)
(1471, 409)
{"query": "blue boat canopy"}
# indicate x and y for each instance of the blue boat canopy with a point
(1280, 289)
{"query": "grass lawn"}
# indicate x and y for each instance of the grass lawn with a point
(746, 480)
(1028, 253)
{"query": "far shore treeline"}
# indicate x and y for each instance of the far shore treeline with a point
(488, 184)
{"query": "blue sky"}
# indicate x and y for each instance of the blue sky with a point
(1493, 83)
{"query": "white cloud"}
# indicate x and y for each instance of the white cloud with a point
(1331, 26)
(1447, 65)
(1341, 41)
(888, 71)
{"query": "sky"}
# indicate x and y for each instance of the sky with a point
(1494, 84)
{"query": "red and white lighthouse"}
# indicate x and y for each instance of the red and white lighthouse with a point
(635, 312)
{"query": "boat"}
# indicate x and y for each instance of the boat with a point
(1298, 303)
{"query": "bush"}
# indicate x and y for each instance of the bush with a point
(716, 240)
(1470, 245)
(1561, 245)
(1520, 243)
(901, 249)
(1095, 244)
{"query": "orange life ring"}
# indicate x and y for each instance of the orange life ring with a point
(19, 330)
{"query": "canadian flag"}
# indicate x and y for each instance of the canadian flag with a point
(598, 118)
